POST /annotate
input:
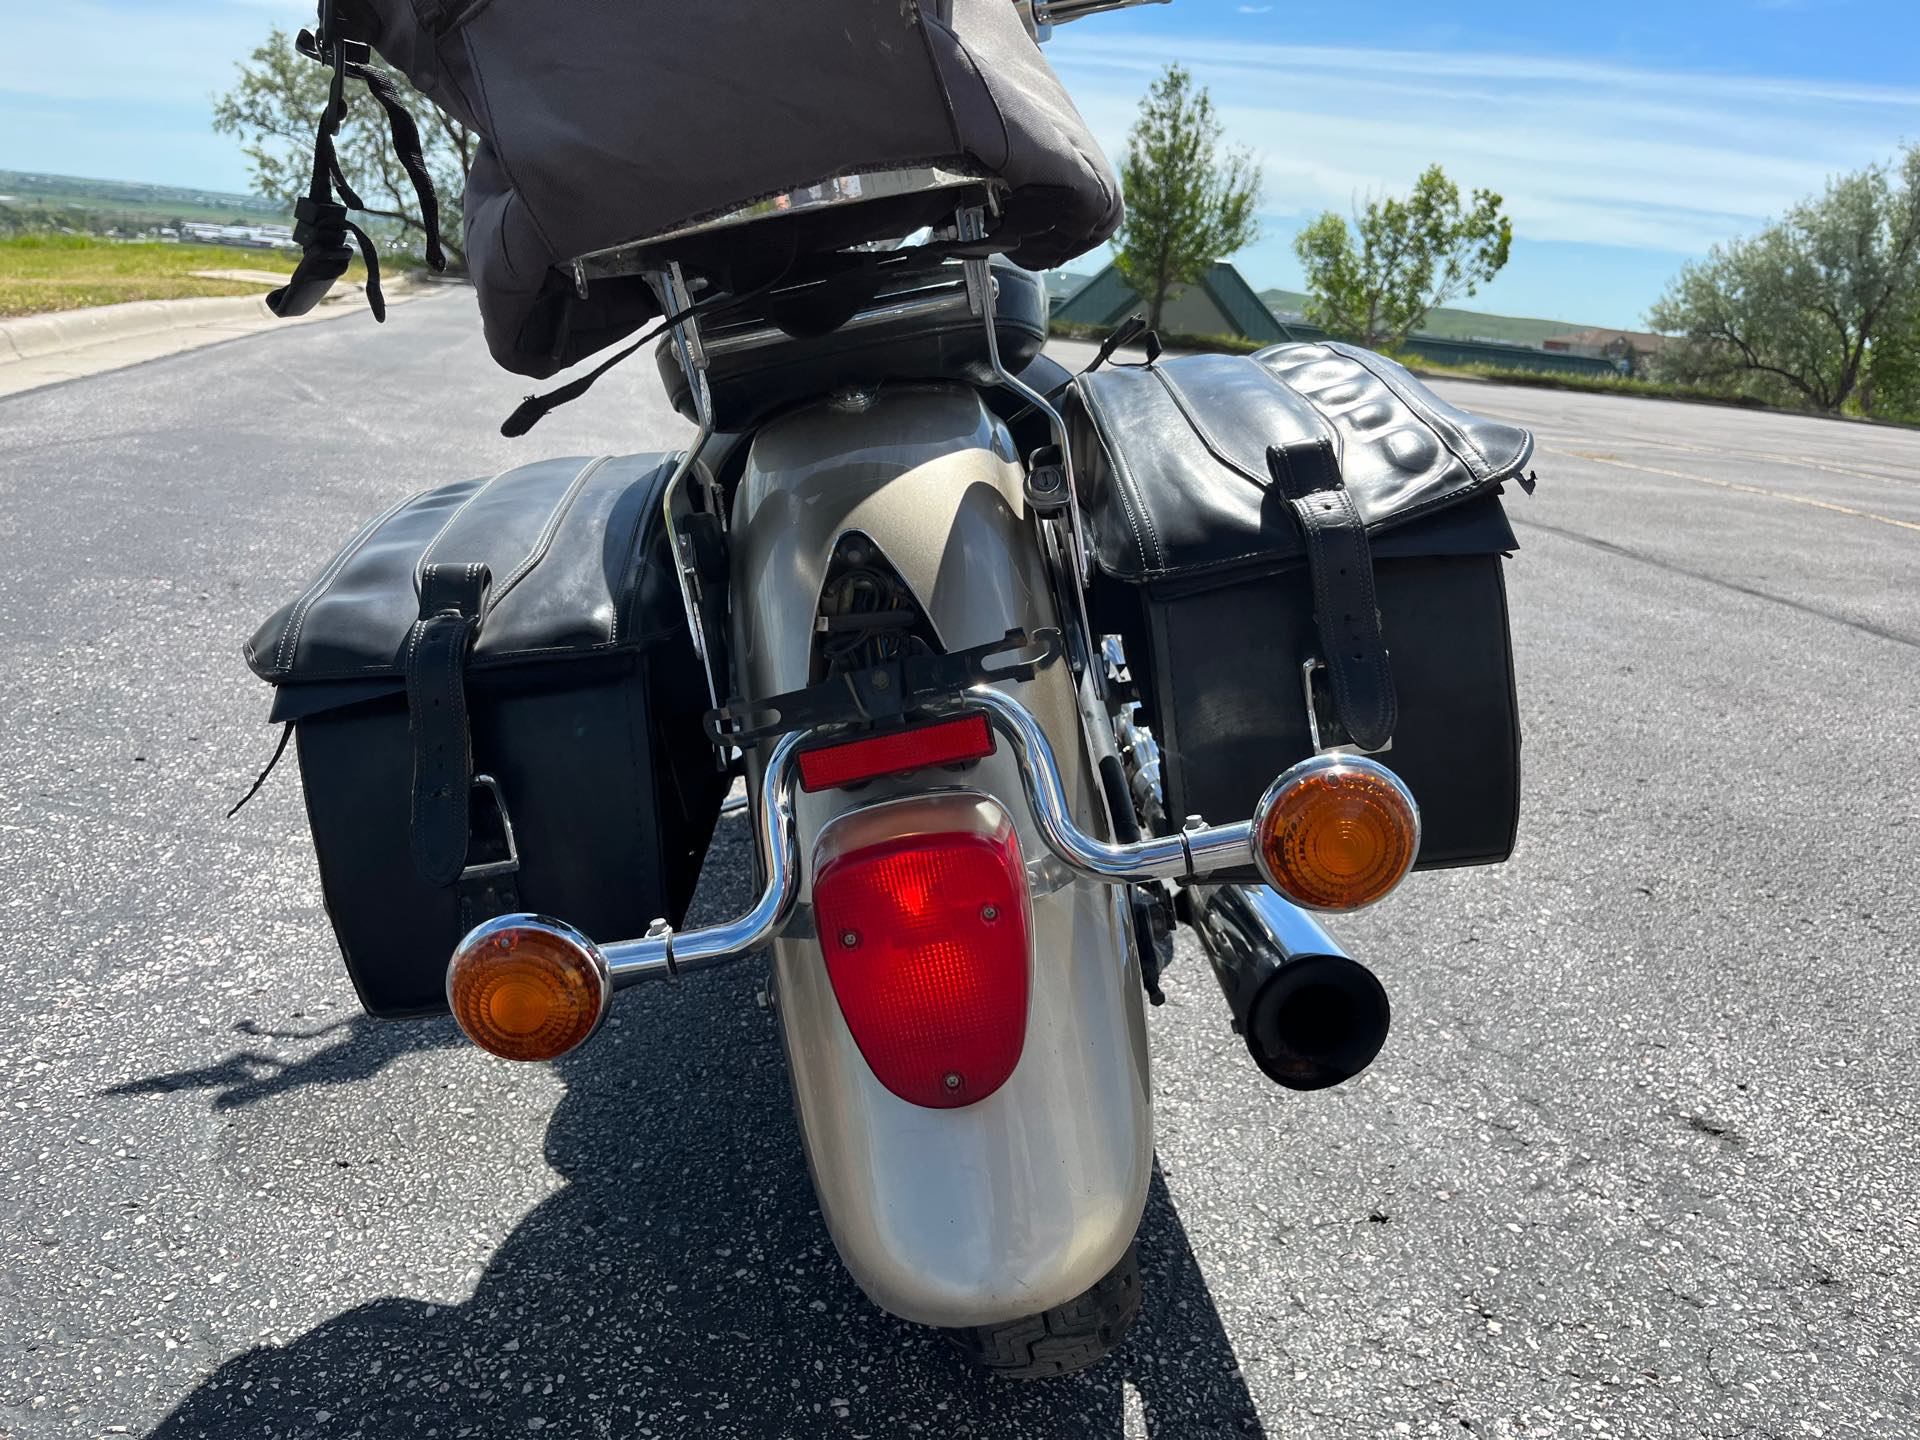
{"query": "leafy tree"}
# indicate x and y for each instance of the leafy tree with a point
(1814, 306)
(1891, 389)
(1188, 204)
(1411, 255)
(275, 106)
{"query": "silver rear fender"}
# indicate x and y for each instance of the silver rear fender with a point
(1025, 1199)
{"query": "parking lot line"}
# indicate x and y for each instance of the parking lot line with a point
(1798, 462)
(1603, 459)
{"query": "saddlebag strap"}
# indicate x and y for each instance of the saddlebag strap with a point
(1346, 612)
(453, 601)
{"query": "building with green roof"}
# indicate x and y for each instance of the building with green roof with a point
(1220, 303)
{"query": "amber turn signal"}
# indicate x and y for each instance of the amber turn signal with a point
(524, 987)
(1336, 832)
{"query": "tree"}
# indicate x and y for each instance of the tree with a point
(277, 103)
(1891, 389)
(1188, 204)
(1800, 311)
(1412, 255)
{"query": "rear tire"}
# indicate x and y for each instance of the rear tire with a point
(1068, 1338)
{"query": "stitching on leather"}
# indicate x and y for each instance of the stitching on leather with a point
(413, 644)
(1444, 498)
(1440, 424)
(1341, 531)
(287, 650)
(457, 717)
(426, 555)
(1137, 515)
(544, 540)
(457, 701)
(1213, 446)
(636, 557)
(1115, 457)
(1367, 626)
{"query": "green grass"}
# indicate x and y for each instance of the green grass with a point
(1646, 389)
(1598, 384)
(42, 273)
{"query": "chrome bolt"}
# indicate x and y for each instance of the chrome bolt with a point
(850, 938)
(953, 1080)
(989, 913)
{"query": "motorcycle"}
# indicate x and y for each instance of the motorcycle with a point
(945, 782)
(943, 606)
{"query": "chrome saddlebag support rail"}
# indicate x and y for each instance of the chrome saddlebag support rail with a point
(1312, 1017)
(1193, 855)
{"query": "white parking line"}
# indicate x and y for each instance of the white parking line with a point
(1601, 459)
(1795, 461)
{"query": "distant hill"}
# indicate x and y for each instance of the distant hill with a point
(130, 201)
(1453, 324)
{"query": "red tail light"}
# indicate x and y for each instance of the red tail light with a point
(945, 742)
(923, 917)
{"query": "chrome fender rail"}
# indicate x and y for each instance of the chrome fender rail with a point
(1195, 854)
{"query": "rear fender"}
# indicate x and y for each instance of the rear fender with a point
(1019, 1202)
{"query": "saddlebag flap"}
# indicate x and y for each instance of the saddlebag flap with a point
(1301, 550)
(497, 708)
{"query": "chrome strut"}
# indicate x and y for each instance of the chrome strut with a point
(1194, 854)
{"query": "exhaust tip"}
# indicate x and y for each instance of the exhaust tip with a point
(1320, 1020)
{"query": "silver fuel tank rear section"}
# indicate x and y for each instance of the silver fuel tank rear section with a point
(1025, 1199)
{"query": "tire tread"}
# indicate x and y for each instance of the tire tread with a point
(1061, 1341)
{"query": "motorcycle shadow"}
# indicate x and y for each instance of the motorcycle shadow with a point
(683, 1283)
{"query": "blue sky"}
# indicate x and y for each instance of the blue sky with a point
(1626, 136)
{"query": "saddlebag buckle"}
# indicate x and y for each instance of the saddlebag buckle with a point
(1329, 736)
(510, 863)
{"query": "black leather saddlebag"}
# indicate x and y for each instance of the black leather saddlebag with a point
(497, 707)
(1302, 549)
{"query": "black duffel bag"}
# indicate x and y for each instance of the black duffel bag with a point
(604, 124)
(497, 706)
(1302, 550)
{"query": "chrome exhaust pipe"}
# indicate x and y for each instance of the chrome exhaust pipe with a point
(1311, 1015)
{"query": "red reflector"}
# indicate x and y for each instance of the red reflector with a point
(946, 742)
(922, 912)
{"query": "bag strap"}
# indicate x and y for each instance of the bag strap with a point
(453, 602)
(321, 227)
(1346, 610)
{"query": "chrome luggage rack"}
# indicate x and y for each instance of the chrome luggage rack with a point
(693, 346)
(1194, 854)
(642, 256)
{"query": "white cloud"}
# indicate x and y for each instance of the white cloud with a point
(1582, 150)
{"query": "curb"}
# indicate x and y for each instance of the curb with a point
(35, 337)
(38, 350)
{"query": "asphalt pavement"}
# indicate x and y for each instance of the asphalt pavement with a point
(1639, 1159)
